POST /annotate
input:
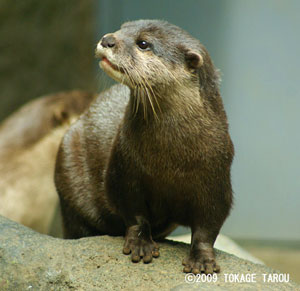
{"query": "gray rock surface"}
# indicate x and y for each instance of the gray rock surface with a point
(225, 244)
(31, 261)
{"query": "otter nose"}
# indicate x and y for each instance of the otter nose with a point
(108, 41)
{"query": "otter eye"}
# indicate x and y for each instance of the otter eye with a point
(142, 44)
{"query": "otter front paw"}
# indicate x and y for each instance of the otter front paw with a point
(141, 248)
(203, 264)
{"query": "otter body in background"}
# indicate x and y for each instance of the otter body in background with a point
(153, 153)
(29, 140)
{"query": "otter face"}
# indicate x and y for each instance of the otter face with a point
(150, 54)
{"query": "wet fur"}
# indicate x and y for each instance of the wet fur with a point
(143, 160)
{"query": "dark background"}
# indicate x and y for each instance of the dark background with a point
(45, 46)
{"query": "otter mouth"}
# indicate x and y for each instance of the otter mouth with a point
(105, 61)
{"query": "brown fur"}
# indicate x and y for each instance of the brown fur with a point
(29, 140)
(147, 158)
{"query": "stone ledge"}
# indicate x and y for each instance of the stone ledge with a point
(31, 261)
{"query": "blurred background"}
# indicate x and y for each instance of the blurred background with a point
(48, 46)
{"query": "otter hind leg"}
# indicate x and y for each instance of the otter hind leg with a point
(75, 226)
(161, 232)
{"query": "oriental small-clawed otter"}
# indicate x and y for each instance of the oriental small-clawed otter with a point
(29, 140)
(153, 152)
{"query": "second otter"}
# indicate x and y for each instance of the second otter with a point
(152, 153)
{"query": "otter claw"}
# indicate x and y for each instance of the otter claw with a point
(141, 249)
(200, 266)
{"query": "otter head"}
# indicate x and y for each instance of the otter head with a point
(151, 53)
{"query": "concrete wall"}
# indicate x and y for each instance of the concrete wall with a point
(256, 45)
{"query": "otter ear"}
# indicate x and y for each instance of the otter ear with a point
(193, 59)
(60, 116)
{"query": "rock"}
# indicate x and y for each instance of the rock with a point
(225, 244)
(32, 261)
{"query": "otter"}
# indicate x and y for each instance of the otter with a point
(152, 152)
(29, 140)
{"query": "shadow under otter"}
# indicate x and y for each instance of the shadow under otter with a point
(153, 152)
